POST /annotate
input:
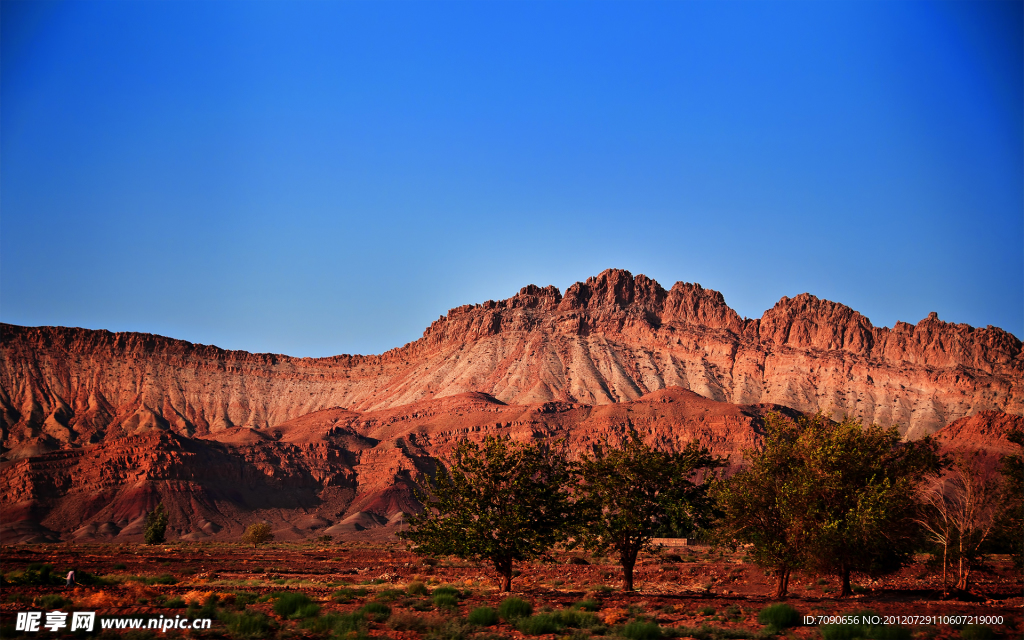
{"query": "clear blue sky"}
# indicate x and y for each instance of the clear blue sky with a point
(315, 178)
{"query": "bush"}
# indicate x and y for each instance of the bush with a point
(448, 591)
(350, 626)
(575, 619)
(779, 616)
(587, 605)
(295, 605)
(389, 595)
(411, 622)
(706, 611)
(640, 630)
(454, 629)
(484, 617)
(321, 624)
(976, 632)
(417, 588)
(376, 611)
(247, 624)
(175, 603)
(52, 601)
(512, 609)
(344, 596)
(120, 566)
(538, 625)
(445, 601)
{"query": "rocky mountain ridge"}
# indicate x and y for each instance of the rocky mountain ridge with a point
(613, 338)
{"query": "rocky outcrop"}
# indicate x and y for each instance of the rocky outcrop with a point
(608, 340)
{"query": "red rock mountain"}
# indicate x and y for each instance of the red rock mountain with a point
(97, 427)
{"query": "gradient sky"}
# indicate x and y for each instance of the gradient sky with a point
(315, 178)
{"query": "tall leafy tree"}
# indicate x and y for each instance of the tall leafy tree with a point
(762, 504)
(500, 502)
(628, 494)
(1011, 513)
(156, 525)
(832, 497)
(861, 488)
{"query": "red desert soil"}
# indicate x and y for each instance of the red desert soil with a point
(671, 590)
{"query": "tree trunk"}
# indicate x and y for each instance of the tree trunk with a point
(782, 585)
(945, 565)
(504, 568)
(846, 591)
(627, 558)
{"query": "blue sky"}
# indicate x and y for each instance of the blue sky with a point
(315, 178)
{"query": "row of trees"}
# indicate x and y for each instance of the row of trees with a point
(831, 498)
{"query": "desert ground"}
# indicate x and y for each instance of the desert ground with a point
(692, 591)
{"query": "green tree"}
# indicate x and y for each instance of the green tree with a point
(1011, 512)
(257, 533)
(156, 525)
(628, 494)
(500, 502)
(832, 497)
(860, 487)
(762, 504)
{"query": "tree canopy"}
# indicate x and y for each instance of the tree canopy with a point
(156, 526)
(499, 502)
(628, 494)
(831, 497)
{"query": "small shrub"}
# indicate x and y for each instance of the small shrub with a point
(603, 589)
(411, 622)
(247, 624)
(640, 630)
(175, 603)
(673, 557)
(294, 605)
(706, 611)
(52, 601)
(417, 588)
(578, 560)
(483, 617)
(321, 624)
(575, 619)
(389, 595)
(779, 616)
(446, 590)
(977, 632)
(165, 578)
(454, 629)
(445, 601)
(350, 627)
(344, 596)
(538, 625)
(513, 608)
(120, 566)
(587, 605)
(376, 611)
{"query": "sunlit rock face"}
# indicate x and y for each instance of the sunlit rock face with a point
(98, 427)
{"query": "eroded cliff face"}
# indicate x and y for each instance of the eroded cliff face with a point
(610, 339)
(334, 472)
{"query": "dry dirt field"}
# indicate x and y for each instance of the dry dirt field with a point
(690, 592)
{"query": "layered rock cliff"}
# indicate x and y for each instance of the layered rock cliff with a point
(610, 339)
(334, 472)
